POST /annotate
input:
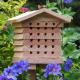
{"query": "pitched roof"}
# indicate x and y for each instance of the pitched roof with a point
(30, 14)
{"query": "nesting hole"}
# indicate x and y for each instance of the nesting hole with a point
(30, 52)
(46, 24)
(38, 24)
(52, 40)
(45, 52)
(52, 34)
(38, 28)
(31, 40)
(52, 52)
(45, 40)
(38, 52)
(45, 46)
(31, 46)
(45, 28)
(31, 28)
(38, 40)
(38, 46)
(30, 24)
(52, 28)
(38, 34)
(30, 34)
(45, 34)
(52, 46)
(53, 24)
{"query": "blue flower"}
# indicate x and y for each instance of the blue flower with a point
(21, 66)
(68, 65)
(67, 1)
(52, 69)
(17, 68)
(2, 77)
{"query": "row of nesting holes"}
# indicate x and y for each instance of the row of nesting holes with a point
(38, 52)
(40, 33)
(31, 46)
(41, 28)
(39, 24)
(44, 40)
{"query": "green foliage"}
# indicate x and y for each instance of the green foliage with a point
(60, 7)
(73, 74)
(9, 9)
(3, 20)
(6, 47)
(70, 35)
(66, 11)
(51, 6)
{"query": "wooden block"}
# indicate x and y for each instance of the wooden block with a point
(17, 24)
(18, 43)
(18, 37)
(18, 30)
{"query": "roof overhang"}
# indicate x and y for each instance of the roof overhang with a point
(30, 14)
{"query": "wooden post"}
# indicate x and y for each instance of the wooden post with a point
(32, 74)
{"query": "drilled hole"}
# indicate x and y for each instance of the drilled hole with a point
(38, 34)
(31, 46)
(30, 52)
(45, 40)
(45, 33)
(52, 52)
(30, 34)
(31, 40)
(45, 28)
(38, 23)
(52, 40)
(45, 46)
(46, 24)
(38, 52)
(38, 28)
(30, 24)
(38, 40)
(52, 46)
(31, 28)
(45, 52)
(53, 24)
(52, 34)
(52, 28)
(38, 46)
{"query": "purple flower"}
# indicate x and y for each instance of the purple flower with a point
(17, 68)
(68, 65)
(2, 77)
(52, 69)
(21, 66)
(67, 1)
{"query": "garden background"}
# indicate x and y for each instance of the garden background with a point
(70, 32)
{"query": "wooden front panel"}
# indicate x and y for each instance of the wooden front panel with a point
(44, 47)
(38, 40)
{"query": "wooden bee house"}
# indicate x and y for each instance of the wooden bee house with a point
(38, 36)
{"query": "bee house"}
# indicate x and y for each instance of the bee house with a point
(37, 37)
